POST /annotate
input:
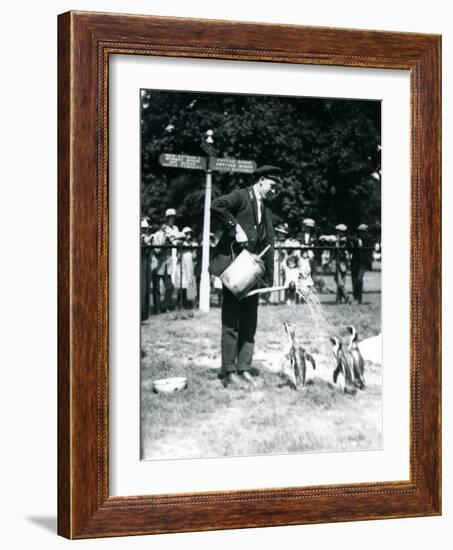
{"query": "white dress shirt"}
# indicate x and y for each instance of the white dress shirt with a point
(259, 202)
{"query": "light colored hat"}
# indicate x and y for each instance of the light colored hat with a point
(328, 238)
(282, 229)
(144, 224)
(341, 227)
(362, 227)
(170, 212)
(309, 222)
(187, 230)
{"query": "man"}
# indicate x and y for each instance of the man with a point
(308, 232)
(246, 219)
(281, 233)
(341, 269)
(145, 276)
(360, 261)
(165, 268)
(185, 270)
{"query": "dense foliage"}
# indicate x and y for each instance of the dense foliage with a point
(328, 149)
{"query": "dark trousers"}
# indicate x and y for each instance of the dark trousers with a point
(183, 300)
(239, 320)
(145, 286)
(168, 285)
(357, 274)
(340, 279)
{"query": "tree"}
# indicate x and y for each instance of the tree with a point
(328, 149)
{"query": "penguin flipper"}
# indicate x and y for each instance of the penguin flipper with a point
(336, 372)
(298, 371)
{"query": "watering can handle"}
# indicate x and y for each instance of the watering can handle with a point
(244, 244)
(260, 255)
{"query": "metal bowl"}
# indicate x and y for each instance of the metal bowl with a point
(169, 385)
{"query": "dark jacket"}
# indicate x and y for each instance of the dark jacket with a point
(240, 206)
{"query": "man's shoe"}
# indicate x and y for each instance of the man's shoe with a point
(231, 380)
(247, 378)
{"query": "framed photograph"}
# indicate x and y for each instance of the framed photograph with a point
(249, 275)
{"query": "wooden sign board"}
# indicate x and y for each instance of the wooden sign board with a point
(182, 161)
(233, 165)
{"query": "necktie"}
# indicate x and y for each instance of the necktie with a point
(258, 210)
(261, 228)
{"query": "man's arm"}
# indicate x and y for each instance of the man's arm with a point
(225, 209)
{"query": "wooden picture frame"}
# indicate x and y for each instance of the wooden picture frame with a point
(85, 41)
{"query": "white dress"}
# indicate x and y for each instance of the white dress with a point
(305, 280)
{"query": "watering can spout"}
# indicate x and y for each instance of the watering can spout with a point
(263, 252)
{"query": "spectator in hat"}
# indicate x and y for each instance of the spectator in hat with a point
(341, 268)
(185, 269)
(308, 233)
(165, 270)
(326, 255)
(145, 267)
(246, 219)
(281, 233)
(308, 240)
(360, 261)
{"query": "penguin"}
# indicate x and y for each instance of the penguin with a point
(343, 366)
(297, 357)
(358, 364)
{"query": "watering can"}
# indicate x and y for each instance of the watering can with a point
(244, 272)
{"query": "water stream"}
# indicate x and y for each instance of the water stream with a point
(322, 326)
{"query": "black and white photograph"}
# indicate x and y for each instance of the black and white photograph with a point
(227, 284)
(260, 294)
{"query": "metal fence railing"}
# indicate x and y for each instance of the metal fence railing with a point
(170, 273)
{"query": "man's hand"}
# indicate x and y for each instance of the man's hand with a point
(241, 236)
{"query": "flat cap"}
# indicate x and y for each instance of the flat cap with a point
(362, 227)
(269, 170)
(309, 222)
(282, 228)
(170, 212)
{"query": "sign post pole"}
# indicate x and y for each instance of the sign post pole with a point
(205, 278)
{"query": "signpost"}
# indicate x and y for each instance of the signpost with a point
(182, 161)
(233, 165)
(208, 164)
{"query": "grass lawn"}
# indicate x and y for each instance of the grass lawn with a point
(207, 420)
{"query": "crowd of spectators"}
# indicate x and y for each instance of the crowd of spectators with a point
(171, 264)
